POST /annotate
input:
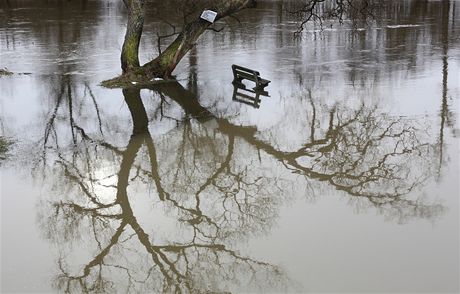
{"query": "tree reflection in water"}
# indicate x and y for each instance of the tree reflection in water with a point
(211, 180)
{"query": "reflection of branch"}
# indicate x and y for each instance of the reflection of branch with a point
(359, 154)
(65, 280)
(224, 166)
(70, 100)
(78, 179)
(104, 144)
(96, 107)
(92, 212)
(66, 88)
(154, 167)
(50, 124)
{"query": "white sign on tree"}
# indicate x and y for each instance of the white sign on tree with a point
(209, 15)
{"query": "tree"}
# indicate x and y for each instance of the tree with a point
(193, 27)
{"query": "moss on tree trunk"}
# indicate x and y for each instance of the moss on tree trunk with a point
(130, 50)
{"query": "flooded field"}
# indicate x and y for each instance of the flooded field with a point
(343, 179)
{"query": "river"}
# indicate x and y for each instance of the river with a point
(343, 179)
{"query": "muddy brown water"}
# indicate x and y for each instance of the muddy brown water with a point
(344, 179)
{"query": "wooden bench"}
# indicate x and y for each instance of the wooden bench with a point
(242, 73)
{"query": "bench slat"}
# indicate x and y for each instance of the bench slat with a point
(246, 76)
(234, 66)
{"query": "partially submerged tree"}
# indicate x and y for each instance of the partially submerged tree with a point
(193, 27)
(165, 63)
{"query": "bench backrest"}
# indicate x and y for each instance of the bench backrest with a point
(244, 69)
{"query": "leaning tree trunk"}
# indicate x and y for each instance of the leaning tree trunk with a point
(166, 62)
(130, 51)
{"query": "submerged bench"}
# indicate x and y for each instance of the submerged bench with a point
(242, 73)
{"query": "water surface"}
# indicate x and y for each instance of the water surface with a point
(345, 179)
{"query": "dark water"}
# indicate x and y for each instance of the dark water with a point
(345, 179)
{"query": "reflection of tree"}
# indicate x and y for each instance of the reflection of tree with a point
(215, 195)
(199, 260)
(361, 152)
(371, 156)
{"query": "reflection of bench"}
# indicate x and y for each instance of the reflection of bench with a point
(242, 73)
(253, 101)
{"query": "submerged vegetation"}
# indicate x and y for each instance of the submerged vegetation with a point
(5, 72)
(5, 145)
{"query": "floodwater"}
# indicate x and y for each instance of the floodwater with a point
(344, 179)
